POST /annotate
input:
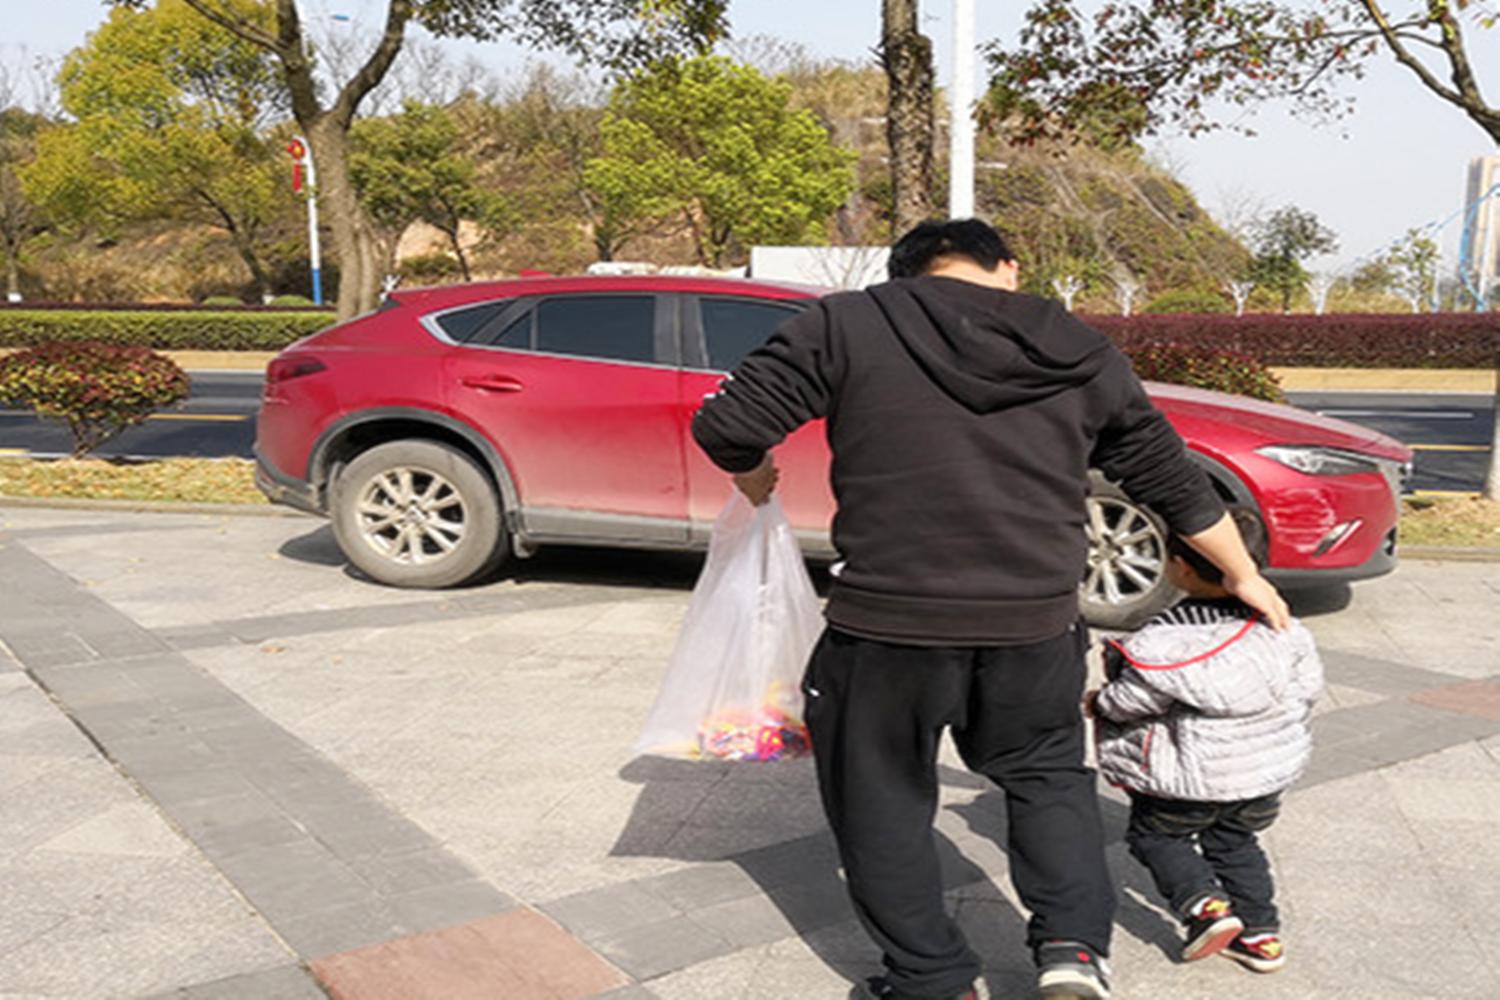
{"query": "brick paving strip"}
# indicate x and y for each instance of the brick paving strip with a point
(371, 901)
(375, 905)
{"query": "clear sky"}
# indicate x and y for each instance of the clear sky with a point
(1398, 162)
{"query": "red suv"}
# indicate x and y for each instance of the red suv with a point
(458, 426)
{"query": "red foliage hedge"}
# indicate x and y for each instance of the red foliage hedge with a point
(1353, 340)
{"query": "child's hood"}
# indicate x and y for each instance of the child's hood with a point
(1217, 658)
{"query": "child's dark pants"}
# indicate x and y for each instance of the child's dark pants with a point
(1161, 836)
(876, 712)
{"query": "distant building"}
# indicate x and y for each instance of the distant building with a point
(1484, 252)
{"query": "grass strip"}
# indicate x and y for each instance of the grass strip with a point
(181, 480)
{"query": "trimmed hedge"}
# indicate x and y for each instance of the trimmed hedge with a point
(196, 330)
(224, 303)
(1205, 368)
(1422, 340)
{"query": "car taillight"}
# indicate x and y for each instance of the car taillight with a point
(285, 369)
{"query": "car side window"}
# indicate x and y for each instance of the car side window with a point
(732, 328)
(611, 327)
(464, 326)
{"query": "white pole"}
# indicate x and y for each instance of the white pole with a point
(961, 133)
(315, 253)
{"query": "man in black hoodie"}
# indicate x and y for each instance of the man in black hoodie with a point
(963, 418)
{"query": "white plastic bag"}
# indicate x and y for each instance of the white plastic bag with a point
(733, 684)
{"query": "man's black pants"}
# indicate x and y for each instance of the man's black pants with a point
(876, 712)
(1225, 859)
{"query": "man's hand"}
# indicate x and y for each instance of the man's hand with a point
(760, 482)
(1256, 591)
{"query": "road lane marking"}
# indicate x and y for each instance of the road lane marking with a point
(1449, 447)
(1402, 414)
(1443, 493)
(15, 451)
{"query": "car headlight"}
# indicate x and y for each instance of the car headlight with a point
(1318, 460)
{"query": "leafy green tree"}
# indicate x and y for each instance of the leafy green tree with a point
(170, 113)
(21, 219)
(1282, 241)
(719, 142)
(410, 167)
(1411, 266)
(616, 33)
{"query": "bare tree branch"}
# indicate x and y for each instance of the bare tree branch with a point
(232, 22)
(374, 69)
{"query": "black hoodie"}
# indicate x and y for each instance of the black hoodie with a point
(963, 421)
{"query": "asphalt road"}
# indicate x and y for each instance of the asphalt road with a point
(1451, 433)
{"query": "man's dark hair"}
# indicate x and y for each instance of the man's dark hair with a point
(914, 253)
(1252, 531)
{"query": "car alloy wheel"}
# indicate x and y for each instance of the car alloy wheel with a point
(411, 515)
(1125, 582)
(418, 513)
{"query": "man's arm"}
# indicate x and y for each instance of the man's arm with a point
(774, 390)
(1140, 449)
(1222, 545)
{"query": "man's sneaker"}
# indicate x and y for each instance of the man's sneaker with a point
(1069, 970)
(1259, 952)
(879, 988)
(1211, 925)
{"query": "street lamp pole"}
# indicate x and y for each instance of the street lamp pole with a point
(961, 131)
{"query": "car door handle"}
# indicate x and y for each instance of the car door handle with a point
(494, 383)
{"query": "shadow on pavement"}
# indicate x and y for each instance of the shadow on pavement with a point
(318, 547)
(685, 806)
(1326, 599)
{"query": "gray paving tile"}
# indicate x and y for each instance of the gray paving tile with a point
(447, 905)
(190, 637)
(344, 928)
(142, 718)
(288, 982)
(389, 833)
(802, 860)
(178, 787)
(231, 824)
(1380, 676)
(616, 909)
(395, 874)
(745, 923)
(654, 949)
(52, 649)
(294, 880)
(90, 685)
(701, 885)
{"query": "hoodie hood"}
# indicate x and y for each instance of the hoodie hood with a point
(1191, 651)
(987, 348)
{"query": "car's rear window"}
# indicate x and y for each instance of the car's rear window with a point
(614, 327)
(464, 326)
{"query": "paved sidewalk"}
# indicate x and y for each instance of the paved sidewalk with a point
(230, 769)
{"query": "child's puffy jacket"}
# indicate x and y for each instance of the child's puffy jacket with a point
(1207, 704)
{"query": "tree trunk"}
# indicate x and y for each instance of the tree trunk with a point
(354, 241)
(246, 249)
(907, 57)
(458, 250)
(12, 272)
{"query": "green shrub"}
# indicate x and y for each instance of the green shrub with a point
(222, 300)
(166, 330)
(429, 268)
(1188, 301)
(98, 390)
(1206, 368)
(290, 300)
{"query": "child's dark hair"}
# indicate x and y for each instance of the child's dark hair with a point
(914, 253)
(1252, 531)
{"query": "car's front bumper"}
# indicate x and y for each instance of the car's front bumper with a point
(1382, 561)
(284, 489)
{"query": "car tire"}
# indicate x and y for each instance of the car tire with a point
(418, 514)
(1126, 579)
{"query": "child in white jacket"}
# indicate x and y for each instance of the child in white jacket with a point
(1204, 722)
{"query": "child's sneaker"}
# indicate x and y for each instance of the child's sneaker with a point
(1211, 925)
(1258, 952)
(1068, 970)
